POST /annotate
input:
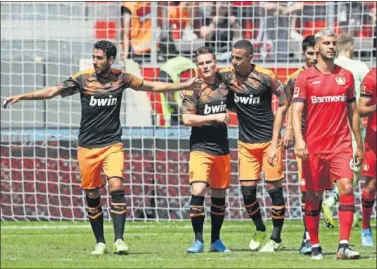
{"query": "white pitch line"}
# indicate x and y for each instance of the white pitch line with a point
(57, 226)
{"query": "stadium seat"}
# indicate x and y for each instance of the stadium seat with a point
(106, 30)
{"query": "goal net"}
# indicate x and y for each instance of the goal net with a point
(45, 43)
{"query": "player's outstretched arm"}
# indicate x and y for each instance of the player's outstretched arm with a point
(354, 120)
(200, 120)
(158, 86)
(365, 108)
(46, 93)
(300, 145)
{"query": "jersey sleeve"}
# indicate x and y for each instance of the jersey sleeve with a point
(367, 87)
(189, 103)
(71, 85)
(276, 85)
(300, 89)
(131, 81)
(351, 89)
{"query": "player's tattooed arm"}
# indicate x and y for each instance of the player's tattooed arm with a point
(46, 93)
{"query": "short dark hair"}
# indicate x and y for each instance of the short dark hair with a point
(308, 41)
(205, 50)
(244, 44)
(107, 47)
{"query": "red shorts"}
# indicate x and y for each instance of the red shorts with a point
(320, 170)
(368, 167)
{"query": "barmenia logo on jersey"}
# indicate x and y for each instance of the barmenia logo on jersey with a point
(246, 99)
(213, 109)
(328, 99)
(110, 101)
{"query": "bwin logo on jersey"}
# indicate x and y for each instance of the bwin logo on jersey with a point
(246, 99)
(213, 109)
(102, 101)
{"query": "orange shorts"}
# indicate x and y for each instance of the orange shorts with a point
(211, 169)
(253, 157)
(92, 160)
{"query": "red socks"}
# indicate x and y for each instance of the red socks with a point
(367, 201)
(346, 211)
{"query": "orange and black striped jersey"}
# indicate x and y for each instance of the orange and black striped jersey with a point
(100, 105)
(210, 99)
(252, 98)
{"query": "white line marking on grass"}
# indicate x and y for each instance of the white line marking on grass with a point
(131, 226)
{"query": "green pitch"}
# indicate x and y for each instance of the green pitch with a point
(163, 245)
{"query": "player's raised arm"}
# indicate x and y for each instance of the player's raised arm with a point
(158, 86)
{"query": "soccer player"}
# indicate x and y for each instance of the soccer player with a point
(252, 88)
(284, 107)
(367, 108)
(344, 44)
(100, 144)
(325, 93)
(205, 110)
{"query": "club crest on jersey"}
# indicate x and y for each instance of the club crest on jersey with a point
(340, 81)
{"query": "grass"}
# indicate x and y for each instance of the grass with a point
(163, 245)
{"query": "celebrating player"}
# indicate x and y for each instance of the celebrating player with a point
(100, 145)
(284, 107)
(367, 108)
(252, 89)
(325, 92)
(345, 47)
(205, 110)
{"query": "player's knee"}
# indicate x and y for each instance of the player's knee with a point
(346, 189)
(115, 183)
(93, 194)
(274, 185)
(249, 193)
(277, 196)
(199, 189)
(313, 196)
(117, 196)
(218, 193)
